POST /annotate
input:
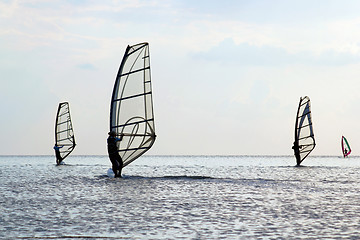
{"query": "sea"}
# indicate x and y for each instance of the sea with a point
(180, 197)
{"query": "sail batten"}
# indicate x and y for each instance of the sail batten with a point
(133, 149)
(304, 126)
(304, 134)
(302, 138)
(138, 70)
(131, 108)
(64, 133)
(133, 123)
(304, 115)
(60, 123)
(134, 96)
(63, 114)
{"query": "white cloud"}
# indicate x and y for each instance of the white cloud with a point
(8, 9)
(226, 80)
(227, 52)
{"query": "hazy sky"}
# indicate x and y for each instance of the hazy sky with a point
(227, 75)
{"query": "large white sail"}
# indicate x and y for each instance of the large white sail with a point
(64, 133)
(304, 135)
(131, 109)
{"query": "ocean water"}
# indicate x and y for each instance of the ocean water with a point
(182, 197)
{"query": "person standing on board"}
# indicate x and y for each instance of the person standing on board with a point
(117, 163)
(57, 154)
(296, 152)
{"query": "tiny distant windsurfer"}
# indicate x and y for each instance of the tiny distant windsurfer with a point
(117, 163)
(297, 152)
(57, 154)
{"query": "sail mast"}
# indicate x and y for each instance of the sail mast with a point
(296, 142)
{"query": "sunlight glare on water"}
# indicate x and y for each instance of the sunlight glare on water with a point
(162, 197)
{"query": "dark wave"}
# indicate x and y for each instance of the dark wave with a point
(69, 237)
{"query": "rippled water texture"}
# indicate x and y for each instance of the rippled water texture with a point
(180, 197)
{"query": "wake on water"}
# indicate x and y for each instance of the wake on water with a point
(110, 173)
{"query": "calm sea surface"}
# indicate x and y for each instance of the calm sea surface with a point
(188, 197)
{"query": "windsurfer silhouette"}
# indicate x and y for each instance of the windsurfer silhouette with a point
(57, 154)
(297, 152)
(117, 163)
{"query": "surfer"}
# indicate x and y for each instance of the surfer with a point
(296, 152)
(117, 163)
(57, 154)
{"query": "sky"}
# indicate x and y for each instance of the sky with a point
(227, 75)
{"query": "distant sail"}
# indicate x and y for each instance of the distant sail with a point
(131, 109)
(304, 135)
(345, 147)
(64, 133)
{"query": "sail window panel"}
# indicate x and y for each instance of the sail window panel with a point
(129, 155)
(134, 73)
(64, 130)
(132, 107)
(63, 135)
(131, 85)
(304, 132)
(306, 146)
(304, 121)
(134, 141)
(62, 127)
(133, 146)
(135, 61)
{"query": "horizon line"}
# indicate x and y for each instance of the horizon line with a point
(173, 155)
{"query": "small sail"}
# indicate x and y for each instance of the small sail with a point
(64, 133)
(304, 135)
(345, 147)
(131, 109)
